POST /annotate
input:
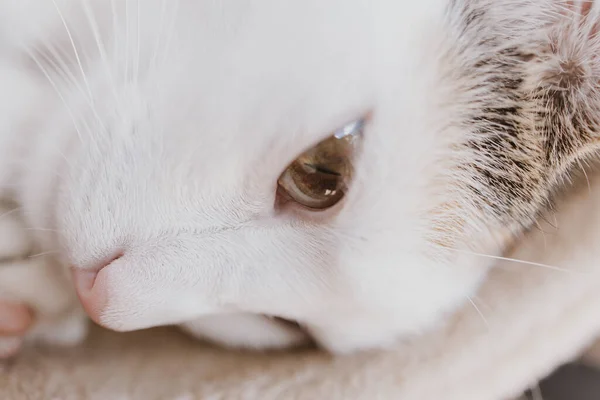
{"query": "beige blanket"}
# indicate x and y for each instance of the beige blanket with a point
(527, 320)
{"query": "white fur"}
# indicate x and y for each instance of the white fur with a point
(185, 122)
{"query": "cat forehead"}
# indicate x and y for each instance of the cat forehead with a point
(235, 67)
(269, 69)
(236, 81)
(256, 62)
(239, 86)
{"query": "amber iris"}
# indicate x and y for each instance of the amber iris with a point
(319, 178)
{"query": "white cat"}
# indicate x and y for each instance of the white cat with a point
(351, 165)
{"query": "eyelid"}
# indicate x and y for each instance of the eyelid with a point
(364, 117)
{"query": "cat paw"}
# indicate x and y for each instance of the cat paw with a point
(38, 304)
(15, 321)
(247, 331)
(19, 328)
(65, 331)
(36, 298)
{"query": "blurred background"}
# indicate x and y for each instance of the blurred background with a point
(571, 382)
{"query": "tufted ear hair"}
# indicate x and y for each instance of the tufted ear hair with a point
(566, 88)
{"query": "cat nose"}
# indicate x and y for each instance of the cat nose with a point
(91, 288)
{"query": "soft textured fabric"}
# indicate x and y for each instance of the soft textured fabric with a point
(526, 321)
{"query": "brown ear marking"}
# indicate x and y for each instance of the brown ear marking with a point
(541, 121)
(567, 91)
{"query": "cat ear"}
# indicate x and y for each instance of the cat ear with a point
(567, 88)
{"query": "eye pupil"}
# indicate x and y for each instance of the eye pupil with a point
(324, 170)
(318, 179)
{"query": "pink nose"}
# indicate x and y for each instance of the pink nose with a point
(91, 288)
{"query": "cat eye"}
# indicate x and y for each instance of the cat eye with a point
(318, 179)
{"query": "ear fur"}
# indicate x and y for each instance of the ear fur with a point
(565, 86)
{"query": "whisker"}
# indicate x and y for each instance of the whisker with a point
(77, 57)
(81, 69)
(60, 153)
(485, 321)
(482, 303)
(100, 43)
(553, 225)
(136, 64)
(516, 261)
(10, 212)
(127, 39)
(115, 22)
(171, 29)
(587, 179)
(59, 93)
(56, 60)
(59, 65)
(43, 254)
(161, 27)
(555, 220)
(43, 230)
(165, 34)
(539, 227)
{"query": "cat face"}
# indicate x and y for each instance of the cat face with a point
(176, 198)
